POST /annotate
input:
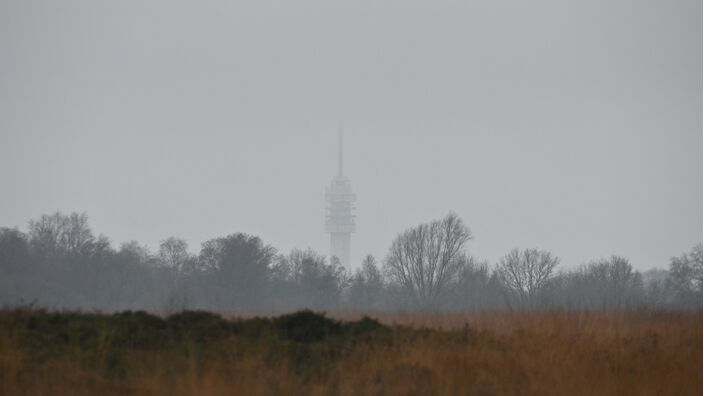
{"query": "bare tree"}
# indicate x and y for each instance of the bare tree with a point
(307, 280)
(474, 287)
(239, 266)
(367, 285)
(131, 273)
(611, 280)
(58, 234)
(14, 250)
(425, 259)
(685, 280)
(177, 265)
(173, 253)
(525, 274)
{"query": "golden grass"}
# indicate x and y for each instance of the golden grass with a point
(540, 353)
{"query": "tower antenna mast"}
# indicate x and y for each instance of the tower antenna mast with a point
(339, 151)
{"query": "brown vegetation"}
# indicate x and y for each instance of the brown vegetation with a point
(198, 353)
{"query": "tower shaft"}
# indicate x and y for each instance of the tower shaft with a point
(340, 247)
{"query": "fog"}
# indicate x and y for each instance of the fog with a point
(61, 264)
(574, 127)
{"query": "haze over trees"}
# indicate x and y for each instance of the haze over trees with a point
(526, 274)
(424, 260)
(367, 285)
(685, 279)
(61, 263)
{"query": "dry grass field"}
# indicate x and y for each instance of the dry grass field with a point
(198, 353)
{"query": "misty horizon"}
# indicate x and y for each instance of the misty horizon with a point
(400, 197)
(551, 125)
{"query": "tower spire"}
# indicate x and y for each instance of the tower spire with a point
(339, 152)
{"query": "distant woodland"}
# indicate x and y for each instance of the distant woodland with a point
(60, 263)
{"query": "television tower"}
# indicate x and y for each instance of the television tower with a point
(339, 220)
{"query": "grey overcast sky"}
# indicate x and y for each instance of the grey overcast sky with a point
(573, 126)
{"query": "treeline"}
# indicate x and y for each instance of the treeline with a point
(60, 263)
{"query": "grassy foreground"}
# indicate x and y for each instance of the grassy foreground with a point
(199, 353)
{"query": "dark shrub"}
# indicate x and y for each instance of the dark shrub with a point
(137, 330)
(306, 326)
(200, 326)
(366, 325)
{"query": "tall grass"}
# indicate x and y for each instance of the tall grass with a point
(199, 353)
